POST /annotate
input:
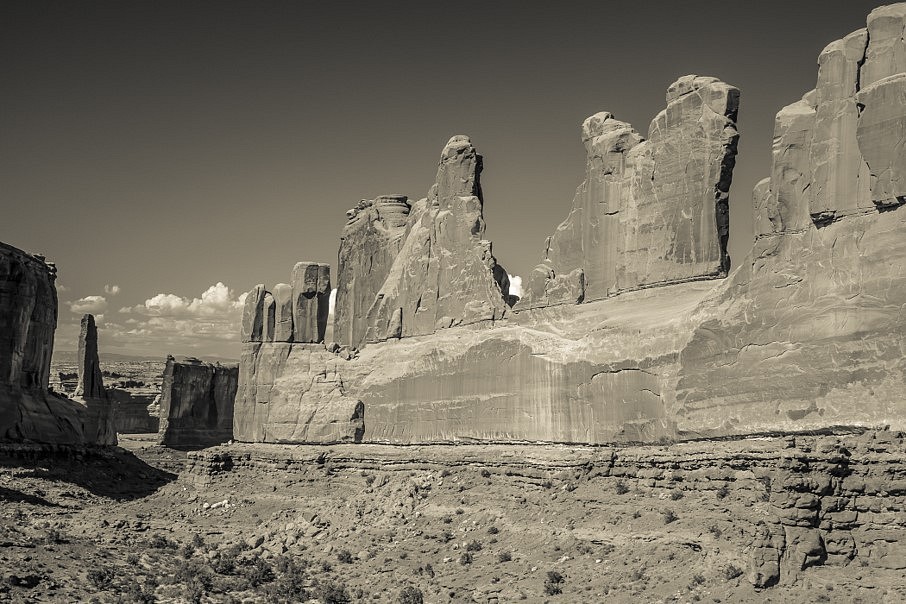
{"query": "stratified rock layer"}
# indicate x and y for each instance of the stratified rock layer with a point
(197, 400)
(100, 425)
(28, 318)
(650, 212)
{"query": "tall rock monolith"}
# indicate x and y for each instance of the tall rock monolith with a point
(311, 301)
(650, 212)
(100, 424)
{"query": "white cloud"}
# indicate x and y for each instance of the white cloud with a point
(111, 289)
(89, 304)
(515, 285)
(214, 302)
(60, 287)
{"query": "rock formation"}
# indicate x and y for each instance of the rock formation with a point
(100, 426)
(28, 318)
(806, 334)
(650, 212)
(371, 241)
(316, 409)
(442, 271)
(197, 399)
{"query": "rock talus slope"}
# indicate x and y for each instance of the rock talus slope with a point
(28, 319)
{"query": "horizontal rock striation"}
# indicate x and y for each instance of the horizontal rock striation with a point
(650, 212)
(28, 319)
(197, 399)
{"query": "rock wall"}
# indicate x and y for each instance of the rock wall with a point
(197, 401)
(650, 212)
(99, 420)
(28, 319)
(807, 333)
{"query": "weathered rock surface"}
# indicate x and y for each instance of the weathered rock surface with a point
(293, 393)
(444, 273)
(371, 240)
(650, 212)
(28, 319)
(311, 301)
(99, 421)
(197, 402)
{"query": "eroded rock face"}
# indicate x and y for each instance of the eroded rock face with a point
(371, 240)
(443, 272)
(100, 424)
(650, 212)
(311, 301)
(28, 319)
(293, 393)
(197, 403)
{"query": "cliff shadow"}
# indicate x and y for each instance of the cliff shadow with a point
(109, 472)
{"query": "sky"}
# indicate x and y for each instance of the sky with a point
(168, 156)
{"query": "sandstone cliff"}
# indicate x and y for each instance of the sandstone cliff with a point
(650, 212)
(806, 334)
(197, 399)
(28, 318)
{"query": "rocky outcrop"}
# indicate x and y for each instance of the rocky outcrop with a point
(440, 272)
(100, 425)
(28, 319)
(293, 393)
(371, 241)
(650, 212)
(197, 402)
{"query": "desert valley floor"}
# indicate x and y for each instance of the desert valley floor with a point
(468, 523)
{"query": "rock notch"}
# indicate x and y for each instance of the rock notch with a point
(650, 212)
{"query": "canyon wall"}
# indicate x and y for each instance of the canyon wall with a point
(28, 319)
(626, 331)
(197, 399)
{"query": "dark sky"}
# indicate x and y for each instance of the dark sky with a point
(164, 147)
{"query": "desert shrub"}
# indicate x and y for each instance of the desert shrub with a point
(444, 473)
(160, 542)
(485, 473)
(731, 571)
(258, 573)
(722, 492)
(291, 584)
(101, 577)
(344, 556)
(429, 570)
(197, 541)
(492, 530)
(473, 546)
(465, 558)
(132, 559)
(547, 484)
(330, 592)
(135, 594)
(669, 517)
(698, 579)
(715, 530)
(411, 595)
(459, 511)
(54, 536)
(504, 557)
(621, 487)
(637, 514)
(226, 563)
(676, 495)
(553, 583)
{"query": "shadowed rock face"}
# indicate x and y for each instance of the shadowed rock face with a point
(650, 212)
(197, 401)
(100, 425)
(28, 319)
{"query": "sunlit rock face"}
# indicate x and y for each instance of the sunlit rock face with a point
(626, 332)
(810, 332)
(650, 212)
(197, 399)
(28, 319)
